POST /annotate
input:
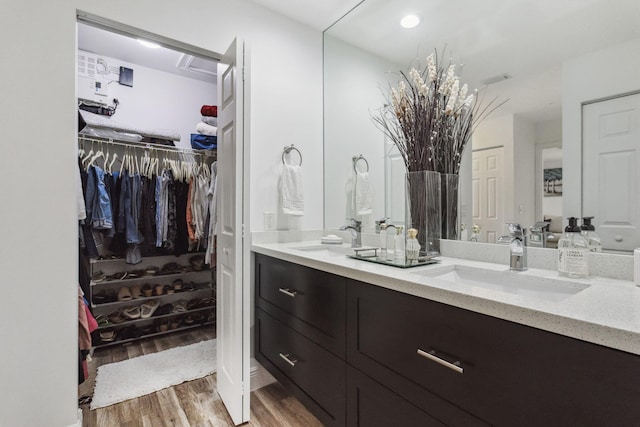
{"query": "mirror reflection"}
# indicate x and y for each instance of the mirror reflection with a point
(565, 144)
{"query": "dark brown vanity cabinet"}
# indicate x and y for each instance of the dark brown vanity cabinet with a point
(362, 355)
(501, 372)
(300, 333)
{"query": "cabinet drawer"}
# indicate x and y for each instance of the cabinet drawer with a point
(310, 301)
(509, 374)
(311, 373)
(369, 404)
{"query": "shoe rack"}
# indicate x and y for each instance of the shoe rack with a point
(160, 295)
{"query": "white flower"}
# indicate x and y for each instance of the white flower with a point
(450, 77)
(431, 68)
(468, 102)
(462, 96)
(451, 103)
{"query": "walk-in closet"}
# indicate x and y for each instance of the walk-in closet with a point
(146, 185)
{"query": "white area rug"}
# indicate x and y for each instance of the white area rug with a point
(120, 381)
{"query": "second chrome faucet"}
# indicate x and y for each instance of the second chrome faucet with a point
(517, 248)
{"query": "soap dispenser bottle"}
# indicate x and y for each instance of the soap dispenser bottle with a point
(413, 246)
(399, 244)
(573, 251)
(590, 235)
(391, 239)
(383, 240)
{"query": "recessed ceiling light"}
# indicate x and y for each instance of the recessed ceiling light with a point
(410, 21)
(148, 44)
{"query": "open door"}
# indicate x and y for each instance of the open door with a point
(232, 297)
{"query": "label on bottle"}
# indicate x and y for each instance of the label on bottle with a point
(573, 261)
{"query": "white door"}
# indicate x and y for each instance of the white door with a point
(488, 193)
(394, 200)
(611, 157)
(232, 301)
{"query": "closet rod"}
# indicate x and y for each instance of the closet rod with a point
(146, 145)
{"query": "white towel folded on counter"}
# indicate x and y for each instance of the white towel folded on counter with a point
(205, 129)
(291, 190)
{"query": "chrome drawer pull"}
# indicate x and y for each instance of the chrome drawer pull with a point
(286, 358)
(288, 292)
(432, 356)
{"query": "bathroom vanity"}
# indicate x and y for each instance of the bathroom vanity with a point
(362, 344)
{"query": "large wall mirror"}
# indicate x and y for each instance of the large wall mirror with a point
(567, 143)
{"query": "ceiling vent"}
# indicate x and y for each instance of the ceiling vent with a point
(197, 65)
(496, 79)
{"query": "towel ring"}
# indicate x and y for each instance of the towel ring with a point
(356, 159)
(287, 150)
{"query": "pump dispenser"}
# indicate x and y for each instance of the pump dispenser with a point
(590, 235)
(399, 244)
(573, 251)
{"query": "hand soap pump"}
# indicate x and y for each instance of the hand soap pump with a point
(383, 240)
(413, 246)
(590, 235)
(399, 244)
(573, 251)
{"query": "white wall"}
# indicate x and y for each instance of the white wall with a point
(38, 258)
(354, 80)
(160, 100)
(604, 73)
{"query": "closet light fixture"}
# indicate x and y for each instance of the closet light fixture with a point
(410, 21)
(148, 44)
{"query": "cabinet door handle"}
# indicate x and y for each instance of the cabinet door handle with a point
(287, 358)
(288, 292)
(432, 356)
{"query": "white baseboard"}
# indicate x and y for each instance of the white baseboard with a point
(259, 376)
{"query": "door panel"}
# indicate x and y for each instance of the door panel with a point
(233, 363)
(487, 187)
(611, 153)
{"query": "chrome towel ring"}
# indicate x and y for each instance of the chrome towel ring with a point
(287, 150)
(356, 159)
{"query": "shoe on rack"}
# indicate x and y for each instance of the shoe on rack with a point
(98, 277)
(197, 262)
(159, 289)
(147, 290)
(108, 335)
(179, 307)
(102, 320)
(147, 309)
(132, 312)
(163, 310)
(177, 285)
(168, 289)
(136, 292)
(116, 317)
(124, 294)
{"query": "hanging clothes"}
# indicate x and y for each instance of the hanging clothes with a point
(212, 194)
(142, 209)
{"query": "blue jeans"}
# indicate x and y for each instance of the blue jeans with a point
(129, 207)
(97, 202)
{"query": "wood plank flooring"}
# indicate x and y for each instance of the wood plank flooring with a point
(194, 403)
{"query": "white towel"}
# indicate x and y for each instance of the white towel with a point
(291, 190)
(213, 121)
(204, 129)
(362, 194)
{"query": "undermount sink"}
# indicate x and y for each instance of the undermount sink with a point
(507, 281)
(331, 250)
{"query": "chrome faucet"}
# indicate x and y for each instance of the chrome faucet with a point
(517, 247)
(356, 232)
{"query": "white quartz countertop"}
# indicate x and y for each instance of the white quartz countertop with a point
(605, 313)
